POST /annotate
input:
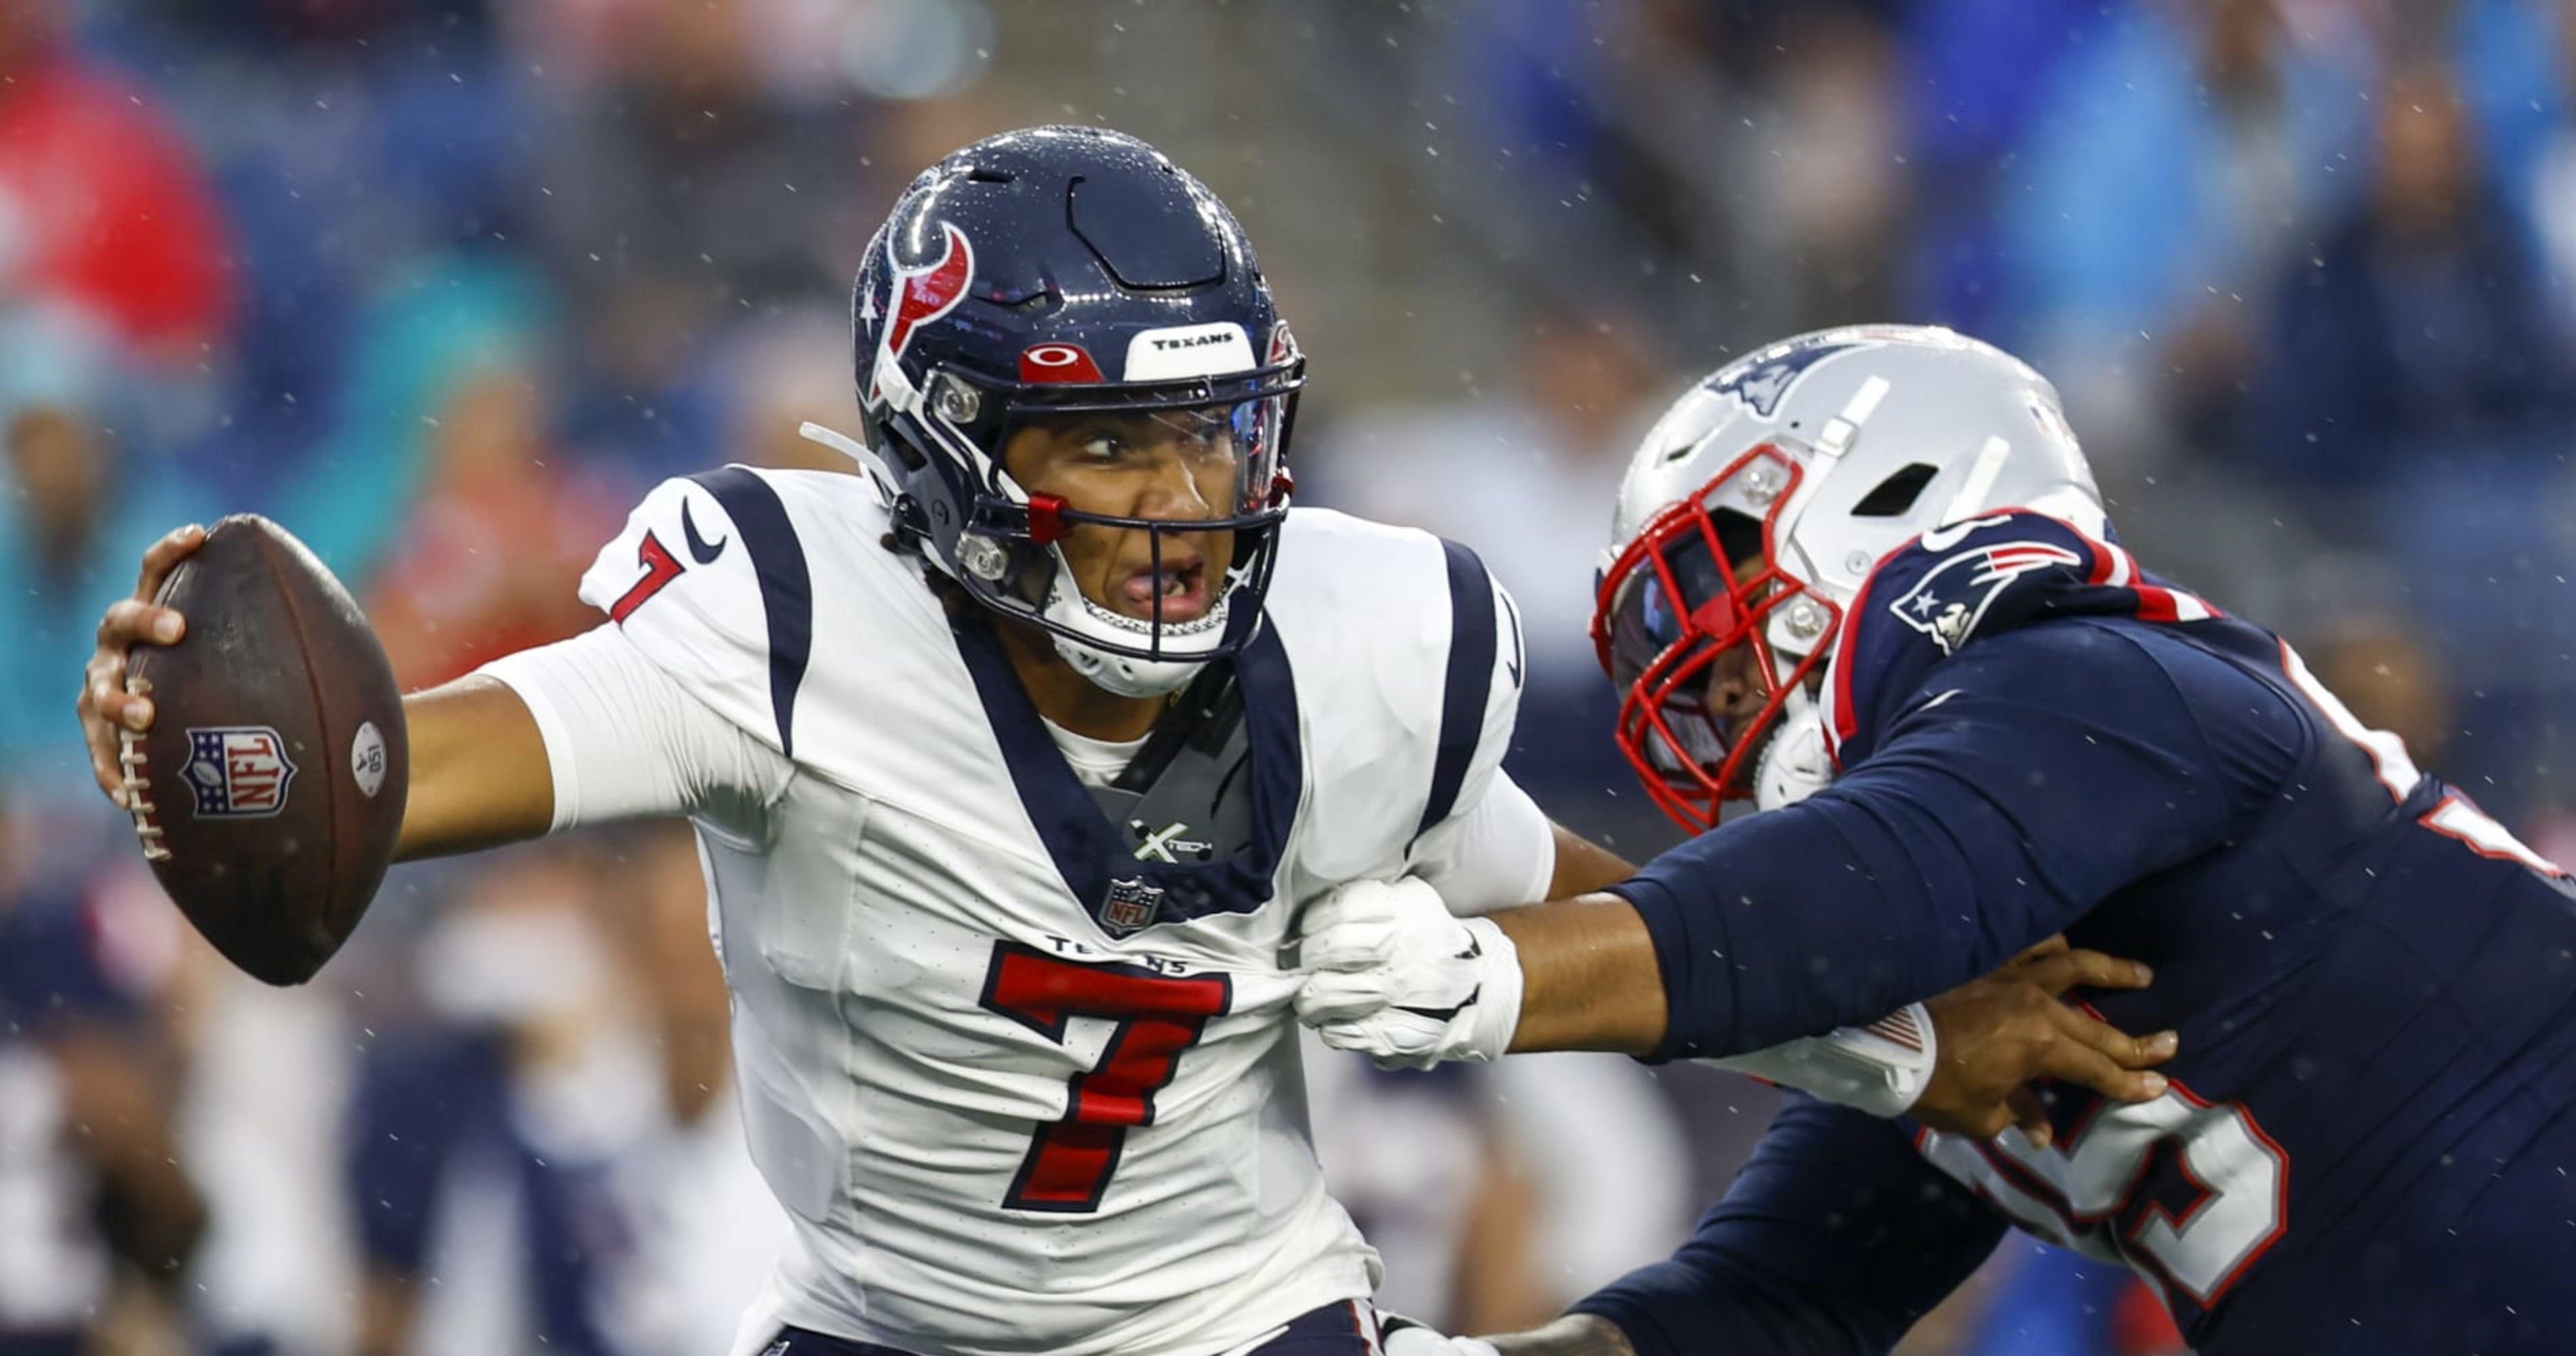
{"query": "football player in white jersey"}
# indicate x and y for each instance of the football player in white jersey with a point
(1011, 761)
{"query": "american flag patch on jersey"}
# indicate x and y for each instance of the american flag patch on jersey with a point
(1898, 1027)
(237, 771)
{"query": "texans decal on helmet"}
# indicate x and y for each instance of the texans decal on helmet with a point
(927, 293)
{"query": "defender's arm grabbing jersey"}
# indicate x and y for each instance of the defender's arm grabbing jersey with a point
(1026, 1080)
(2374, 984)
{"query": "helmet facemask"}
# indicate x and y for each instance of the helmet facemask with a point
(1010, 554)
(1675, 616)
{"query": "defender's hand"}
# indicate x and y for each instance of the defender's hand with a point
(1998, 1033)
(105, 706)
(1391, 974)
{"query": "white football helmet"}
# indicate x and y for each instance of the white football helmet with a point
(1804, 463)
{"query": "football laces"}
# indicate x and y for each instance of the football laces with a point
(131, 756)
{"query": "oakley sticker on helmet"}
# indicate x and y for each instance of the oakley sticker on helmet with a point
(920, 295)
(1762, 380)
(1948, 603)
(1058, 362)
(1180, 351)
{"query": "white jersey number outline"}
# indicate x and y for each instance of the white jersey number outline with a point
(2110, 1190)
(2456, 816)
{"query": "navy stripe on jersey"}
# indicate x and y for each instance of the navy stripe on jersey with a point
(786, 589)
(1093, 854)
(1470, 679)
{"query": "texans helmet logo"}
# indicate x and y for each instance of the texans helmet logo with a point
(927, 293)
(1948, 603)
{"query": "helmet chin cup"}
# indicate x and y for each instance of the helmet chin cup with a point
(1093, 640)
(1795, 765)
(1125, 677)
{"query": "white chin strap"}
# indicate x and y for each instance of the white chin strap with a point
(1191, 642)
(1795, 766)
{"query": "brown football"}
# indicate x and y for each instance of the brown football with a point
(270, 787)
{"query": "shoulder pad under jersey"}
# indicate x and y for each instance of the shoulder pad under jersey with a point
(712, 579)
(1970, 579)
(1421, 645)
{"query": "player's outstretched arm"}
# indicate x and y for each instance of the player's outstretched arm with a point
(1395, 977)
(479, 775)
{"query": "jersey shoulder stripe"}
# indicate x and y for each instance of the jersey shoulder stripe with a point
(1398, 633)
(1465, 686)
(715, 578)
(768, 535)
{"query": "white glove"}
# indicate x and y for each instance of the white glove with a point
(1392, 975)
(1880, 1069)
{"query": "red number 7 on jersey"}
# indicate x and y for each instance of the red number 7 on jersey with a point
(1070, 1161)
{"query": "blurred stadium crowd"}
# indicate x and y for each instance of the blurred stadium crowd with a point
(444, 285)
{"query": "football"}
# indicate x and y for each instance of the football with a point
(269, 790)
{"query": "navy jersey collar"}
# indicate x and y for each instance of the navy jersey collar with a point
(1096, 860)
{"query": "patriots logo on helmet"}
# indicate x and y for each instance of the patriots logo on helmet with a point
(1947, 603)
(1762, 380)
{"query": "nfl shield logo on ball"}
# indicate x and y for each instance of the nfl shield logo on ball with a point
(1131, 905)
(237, 772)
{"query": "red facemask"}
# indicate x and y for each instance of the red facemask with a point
(1684, 638)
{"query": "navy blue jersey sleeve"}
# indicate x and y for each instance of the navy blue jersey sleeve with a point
(2025, 779)
(1835, 1238)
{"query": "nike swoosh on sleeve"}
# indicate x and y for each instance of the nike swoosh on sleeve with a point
(699, 549)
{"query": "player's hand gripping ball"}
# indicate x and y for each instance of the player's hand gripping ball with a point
(269, 789)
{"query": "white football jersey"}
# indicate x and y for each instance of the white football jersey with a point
(1026, 1081)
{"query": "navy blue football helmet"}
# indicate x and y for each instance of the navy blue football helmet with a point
(1058, 271)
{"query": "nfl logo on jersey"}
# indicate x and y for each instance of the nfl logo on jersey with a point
(237, 772)
(1131, 905)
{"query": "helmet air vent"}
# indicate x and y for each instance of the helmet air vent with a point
(1895, 495)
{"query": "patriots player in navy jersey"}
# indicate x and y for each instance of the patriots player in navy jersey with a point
(1864, 579)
